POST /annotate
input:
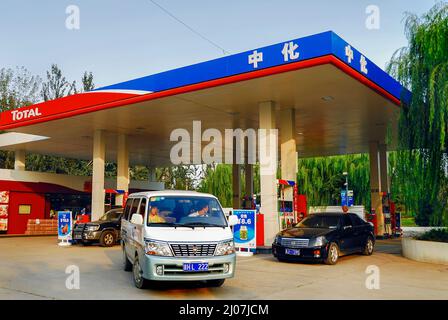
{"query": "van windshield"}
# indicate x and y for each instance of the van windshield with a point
(185, 211)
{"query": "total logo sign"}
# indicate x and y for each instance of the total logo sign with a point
(18, 115)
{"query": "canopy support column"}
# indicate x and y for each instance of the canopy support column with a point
(99, 155)
(288, 149)
(375, 186)
(384, 166)
(19, 160)
(122, 167)
(268, 170)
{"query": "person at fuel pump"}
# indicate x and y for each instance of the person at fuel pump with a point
(154, 215)
(202, 212)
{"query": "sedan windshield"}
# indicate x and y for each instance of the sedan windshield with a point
(319, 221)
(185, 211)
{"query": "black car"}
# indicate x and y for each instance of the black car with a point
(106, 230)
(324, 237)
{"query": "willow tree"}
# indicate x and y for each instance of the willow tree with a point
(422, 67)
(322, 179)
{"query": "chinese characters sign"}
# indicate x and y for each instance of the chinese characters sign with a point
(245, 231)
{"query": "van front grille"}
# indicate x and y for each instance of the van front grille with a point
(193, 249)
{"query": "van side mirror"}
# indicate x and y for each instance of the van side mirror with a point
(233, 220)
(137, 219)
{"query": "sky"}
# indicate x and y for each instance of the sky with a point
(119, 40)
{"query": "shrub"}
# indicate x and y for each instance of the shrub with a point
(439, 235)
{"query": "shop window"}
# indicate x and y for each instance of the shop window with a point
(25, 209)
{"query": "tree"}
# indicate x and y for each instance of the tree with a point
(18, 88)
(422, 67)
(321, 179)
(56, 85)
(87, 82)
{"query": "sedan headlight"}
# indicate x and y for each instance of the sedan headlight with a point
(224, 248)
(93, 227)
(157, 248)
(278, 240)
(318, 242)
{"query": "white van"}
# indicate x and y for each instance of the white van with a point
(177, 235)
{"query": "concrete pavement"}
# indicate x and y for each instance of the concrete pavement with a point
(34, 268)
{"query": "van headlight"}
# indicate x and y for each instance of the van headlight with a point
(224, 248)
(157, 248)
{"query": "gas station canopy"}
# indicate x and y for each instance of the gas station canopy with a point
(342, 101)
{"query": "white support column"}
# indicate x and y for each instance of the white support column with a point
(268, 178)
(288, 149)
(122, 167)
(19, 160)
(99, 155)
(375, 186)
(384, 166)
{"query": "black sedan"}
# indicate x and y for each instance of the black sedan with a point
(324, 237)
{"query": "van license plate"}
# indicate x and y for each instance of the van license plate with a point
(195, 267)
(292, 252)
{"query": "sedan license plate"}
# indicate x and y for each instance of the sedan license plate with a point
(195, 267)
(292, 252)
(77, 236)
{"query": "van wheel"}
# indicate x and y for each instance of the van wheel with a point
(333, 254)
(127, 265)
(216, 283)
(107, 239)
(139, 281)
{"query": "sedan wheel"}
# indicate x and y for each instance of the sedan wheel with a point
(333, 254)
(368, 249)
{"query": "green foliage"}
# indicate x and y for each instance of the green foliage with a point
(56, 86)
(182, 177)
(18, 88)
(421, 162)
(322, 179)
(439, 235)
(218, 181)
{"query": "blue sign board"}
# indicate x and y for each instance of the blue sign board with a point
(64, 225)
(347, 200)
(244, 232)
(302, 49)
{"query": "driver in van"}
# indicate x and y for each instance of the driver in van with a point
(154, 215)
(201, 212)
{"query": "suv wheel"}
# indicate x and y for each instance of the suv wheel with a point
(107, 239)
(139, 281)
